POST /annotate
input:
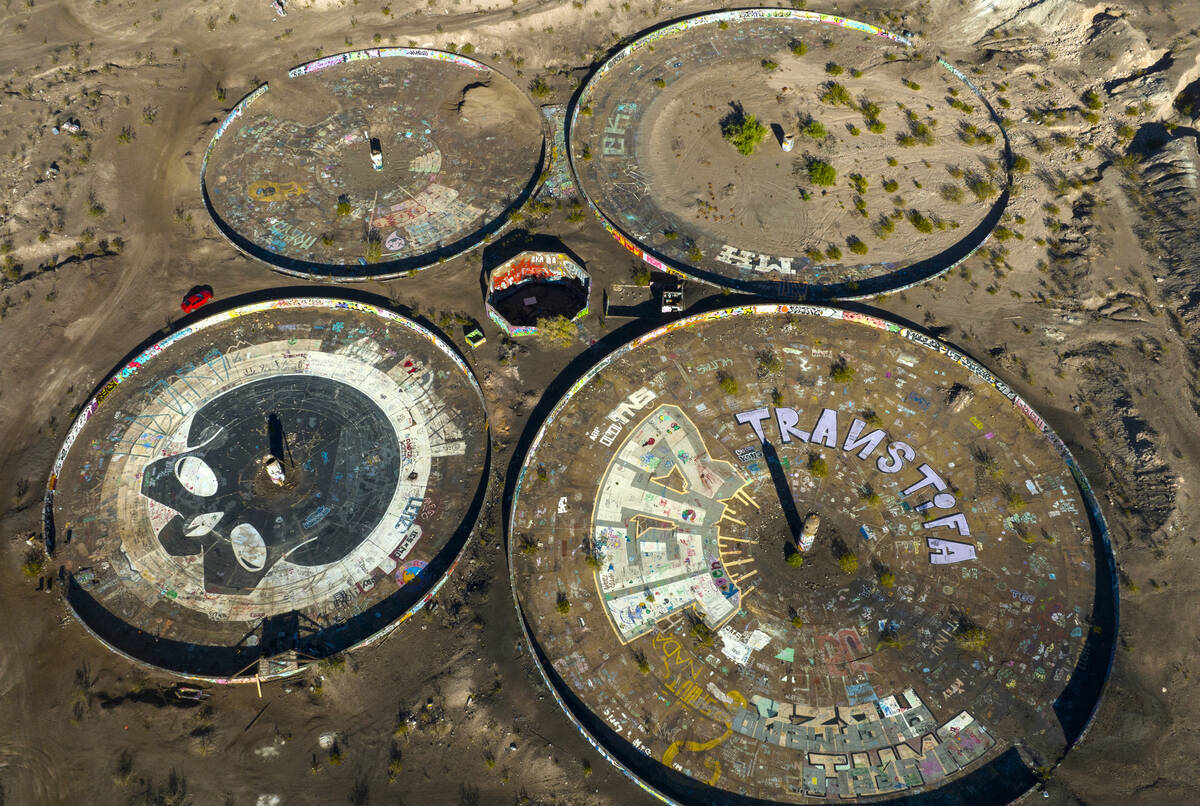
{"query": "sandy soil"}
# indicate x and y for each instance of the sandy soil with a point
(1087, 305)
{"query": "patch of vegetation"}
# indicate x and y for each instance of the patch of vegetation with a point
(556, 331)
(856, 245)
(798, 48)
(694, 254)
(743, 131)
(795, 559)
(887, 579)
(538, 88)
(891, 185)
(817, 467)
(833, 68)
(34, 563)
(920, 222)
(951, 193)
(971, 637)
(769, 65)
(835, 94)
(564, 604)
(728, 383)
(1091, 100)
(768, 363)
(841, 372)
(848, 562)
(981, 187)
(815, 129)
(821, 172)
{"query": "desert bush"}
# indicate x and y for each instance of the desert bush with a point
(744, 132)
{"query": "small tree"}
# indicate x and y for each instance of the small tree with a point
(743, 131)
(34, 563)
(539, 88)
(841, 372)
(815, 129)
(817, 466)
(972, 638)
(887, 579)
(848, 562)
(728, 383)
(556, 331)
(564, 604)
(821, 172)
(795, 559)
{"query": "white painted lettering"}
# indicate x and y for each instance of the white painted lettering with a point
(825, 431)
(869, 443)
(956, 520)
(898, 452)
(929, 477)
(755, 418)
(786, 419)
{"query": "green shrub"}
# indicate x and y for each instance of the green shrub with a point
(743, 131)
(848, 562)
(815, 129)
(834, 94)
(817, 467)
(920, 222)
(821, 172)
(795, 559)
(856, 245)
(833, 68)
(841, 372)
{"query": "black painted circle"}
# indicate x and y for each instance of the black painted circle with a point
(323, 509)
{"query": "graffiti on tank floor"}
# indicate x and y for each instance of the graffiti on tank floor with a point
(613, 142)
(747, 260)
(266, 191)
(895, 456)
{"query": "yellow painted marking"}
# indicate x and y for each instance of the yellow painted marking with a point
(671, 474)
(267, 191)
(736, 539)
(747, 593)
(739, 562)
(738, 580)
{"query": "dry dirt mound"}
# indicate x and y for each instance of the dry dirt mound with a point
(486, 107)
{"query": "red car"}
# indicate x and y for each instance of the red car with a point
(197, 297)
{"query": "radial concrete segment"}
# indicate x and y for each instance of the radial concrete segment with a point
(373, 163)
(922, 161)
(267, 486)
(785, 553)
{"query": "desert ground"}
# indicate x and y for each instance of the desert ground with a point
(1086, 301)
